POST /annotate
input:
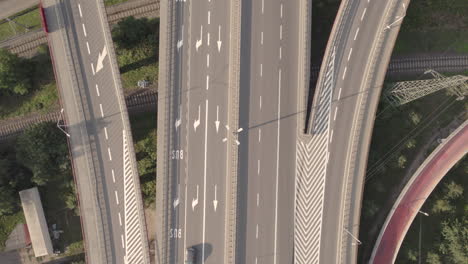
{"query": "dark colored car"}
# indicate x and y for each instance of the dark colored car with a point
(190, 255)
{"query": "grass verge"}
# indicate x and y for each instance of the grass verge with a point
(31, 20)
(7, 224)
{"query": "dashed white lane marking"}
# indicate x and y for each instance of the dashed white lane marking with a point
(209, 17)
(116, 197)
(263, 6)
(258, 167)
(281, 32)
(336, 111)
(79, 8)
(97, 90)
(87, 46)
(207, 60)
(261, 69)
(280, 52)
(260, 102)
(357, 32)
(281, 10)
(259, 135)
(258, 199)
(363, 13)
(344, 72)
(105, 133)
(122, 238)
(207, 82)
(110, 154)
(261, 38)
(339, 94)
(102, 112)
(113, 175)
(84, 29)
(350, 52)
(256, 260)
(120, 219)
(208, 41)
(256, 232)
(331, 136)
(92, 68)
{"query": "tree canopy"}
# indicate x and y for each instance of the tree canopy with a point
(15, 74)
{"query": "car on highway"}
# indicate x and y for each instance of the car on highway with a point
(190, 255)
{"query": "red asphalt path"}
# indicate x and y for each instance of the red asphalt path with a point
(422, 186)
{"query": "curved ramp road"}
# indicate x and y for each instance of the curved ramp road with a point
(100, 140)
(341, 121)
(415, 193)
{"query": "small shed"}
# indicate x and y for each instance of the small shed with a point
(36, 222)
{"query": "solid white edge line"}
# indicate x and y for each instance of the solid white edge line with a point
(204, 180)
(277, 167)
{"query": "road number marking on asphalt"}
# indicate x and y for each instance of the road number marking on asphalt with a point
(177, 154)
(175, 233)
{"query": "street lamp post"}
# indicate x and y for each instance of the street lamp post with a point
(420, 234)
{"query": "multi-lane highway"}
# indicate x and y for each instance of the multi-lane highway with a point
(196, 132)
(99, 133)
(356, 60)
(269, 118)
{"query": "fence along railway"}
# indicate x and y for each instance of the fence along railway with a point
(25, 45)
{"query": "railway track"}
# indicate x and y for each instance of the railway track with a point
(417, 65)
(26, 45)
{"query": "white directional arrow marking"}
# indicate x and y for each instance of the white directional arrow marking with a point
(181, 41)
(217, 118)
(219, 39)
(215, 201)
(101, 59)
(195, 201)
(176, 201)
(197, 122)
(177, 123)
(199, 42)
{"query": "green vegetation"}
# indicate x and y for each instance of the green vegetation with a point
(113, 2)
(144, 136)
(39, 157)
(7, 224)
(400, 134)
(445, 231)
(137, 44)
(29, 20)
(40, 95)
(434, 26)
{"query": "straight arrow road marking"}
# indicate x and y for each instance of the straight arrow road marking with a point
(215, 201)
(219, 39)
(217, 119)
(101, 59)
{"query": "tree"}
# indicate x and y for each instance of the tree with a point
(15, 74)
(433, 258)
(453, 190)
(402, 162)
(130, 31)
(411, 143)
(442, 205)
(146, 152)
(43, 150)
(455, 240)
(415, 118)
(8, 201)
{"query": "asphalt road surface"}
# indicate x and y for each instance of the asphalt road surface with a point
(351, 117)
(197, 153)
(107, 127)
(267, 151)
